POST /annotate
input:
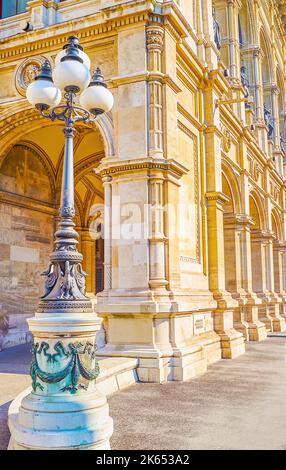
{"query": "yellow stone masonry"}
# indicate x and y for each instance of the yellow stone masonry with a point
(180, 190)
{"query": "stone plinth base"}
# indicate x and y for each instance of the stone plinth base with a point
(257, 331)
(62, 422)
(232, 344)
(232, 341)
(246, 318)
(269, 314)
(169, 346)
(279, 324)
(252, 331)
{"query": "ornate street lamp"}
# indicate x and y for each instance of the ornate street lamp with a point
(64, 409)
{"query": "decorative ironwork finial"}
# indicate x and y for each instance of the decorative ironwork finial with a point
(45, 72)
(72, 50)
(97, 78)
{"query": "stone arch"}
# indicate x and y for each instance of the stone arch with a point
(267, 73)
(248, 26)
(15, 124)
(24, 126)
(258, 250)
(276, 225)
(232, 242)
(27, 210)
(250, 37)
(256, 210)
(231, 189)
(278, 253)
(281, 107)
(267, 63)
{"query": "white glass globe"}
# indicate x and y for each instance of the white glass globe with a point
(82, 55)
(43, 92)
(97, 97)
(71, 73)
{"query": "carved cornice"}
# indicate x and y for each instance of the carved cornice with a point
(122, 167)
(217, 197)
(38, 43)
(263, 235)
(238, 220)
(145, 76)
(104, 22)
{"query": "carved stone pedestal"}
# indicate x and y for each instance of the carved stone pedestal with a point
(64, 409)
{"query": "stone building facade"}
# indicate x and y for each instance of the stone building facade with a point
(180, 190)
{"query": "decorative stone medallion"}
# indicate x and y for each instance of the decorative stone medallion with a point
(26, 73)
(226, 141)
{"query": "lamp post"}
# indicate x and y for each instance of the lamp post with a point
(64, 409)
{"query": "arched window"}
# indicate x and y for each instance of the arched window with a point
(12, 7)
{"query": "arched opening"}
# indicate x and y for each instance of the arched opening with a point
(236, 255)
(281, 111)
(231, 246)
(245, 24)
(267, 95)
(246, 34)
(258, 249)
(30, 184)
(278, 255)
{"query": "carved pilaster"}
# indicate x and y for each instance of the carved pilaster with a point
(107, 232)
(157, 238)
(155, 43)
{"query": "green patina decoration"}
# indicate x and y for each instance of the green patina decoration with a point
(75, 369)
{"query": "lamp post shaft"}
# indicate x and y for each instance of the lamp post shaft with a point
(64, 410)
(67, 194)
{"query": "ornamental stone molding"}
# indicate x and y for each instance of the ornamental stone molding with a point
(226, 140)
(27, 71)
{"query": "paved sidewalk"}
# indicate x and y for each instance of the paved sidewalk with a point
(238, 404)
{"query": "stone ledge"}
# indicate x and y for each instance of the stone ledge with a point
(116, 373)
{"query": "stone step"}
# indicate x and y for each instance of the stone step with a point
(116, 373)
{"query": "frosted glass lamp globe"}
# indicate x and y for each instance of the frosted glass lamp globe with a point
(71, 74)
(97, 98)
(42, 93)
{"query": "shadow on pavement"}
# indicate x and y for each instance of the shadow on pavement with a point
(4, 430)
(16, 360)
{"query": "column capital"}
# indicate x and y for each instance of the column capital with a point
(217, 197)
(263, 235)
(144, 165)
(279, 245)
(239, 220)
(254, 49)
(155, 37)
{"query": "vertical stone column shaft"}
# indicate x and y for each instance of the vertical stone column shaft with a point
(107, 232)
(155, 42)
(157, 239)
(257, 83)
(275, 110)
(232, 16)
